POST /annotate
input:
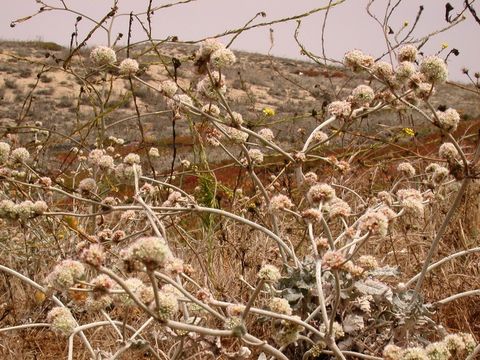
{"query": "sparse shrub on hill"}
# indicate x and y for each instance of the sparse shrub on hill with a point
(315, 251)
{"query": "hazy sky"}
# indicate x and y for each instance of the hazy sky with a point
(348, 25)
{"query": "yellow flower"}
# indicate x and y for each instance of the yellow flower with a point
(408, 131)
(444, 45)
(268, 111)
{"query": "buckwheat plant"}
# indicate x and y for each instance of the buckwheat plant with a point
(246, 245)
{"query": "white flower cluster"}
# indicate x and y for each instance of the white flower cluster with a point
(448, 120)
(357, 60)
(269, 273)
(61, 320)
(25, 210)
(129, 67)
(210, 87)
(411, 201)
(215, 52)
(103, 55)
(152, 251)
(407, 53)
(65, 274)
(341, 109)
(363, 95)
(4, 152)
(320, 193)
(98, 158)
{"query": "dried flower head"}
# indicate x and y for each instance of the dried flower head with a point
(168, 88)
(434, 69)
(136, 286)
(211, 109)
(236, 136)
(424, 90)
(223, 57)
(20, 155)
(153, 152)
(320, 193)
(357, 60)
(392, 352)
(280, 306)
(341, 109)
(167, 305)
(87, 185)
(414, 353)
(267, 134)
(440, 174)
(62, 320)
(94, 255)
(269, 273)
(210, 87)
(4, 152)
(333, 260)
(448, 120)
(256, 156)
(404, 71)
(375, 222)
(103, 55)
(383, 70)
(129, 67)
(407, 53)
(151, 251)
(363, 95)
(406, 169)
(208, 46)
(337, 330)
(437, 351)
(131, 159)
(448, 151)
(65, 274)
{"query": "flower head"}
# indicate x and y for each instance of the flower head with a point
(167, 305)
(404, 71)
(357, 60)
(280, 306)
(414, 353)
(256, 156)
(340, 108)
(434, 69)
(269, 273)
(383, 70)
(406, 169)
(103, 55)
(448, 120)
(267, 134)
(375, 222)
(392, 352)
(362, 95)
(65, 274)
(169, 88)
(333, 260)
(320, 193)
(151, 251)
(62, 320)
(407, 53)
(129, 67)
(448, 151)
(223, 57)
(4, 152)
(20, 155)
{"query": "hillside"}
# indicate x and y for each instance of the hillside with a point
(34, 88)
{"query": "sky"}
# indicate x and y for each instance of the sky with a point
(348, 25)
